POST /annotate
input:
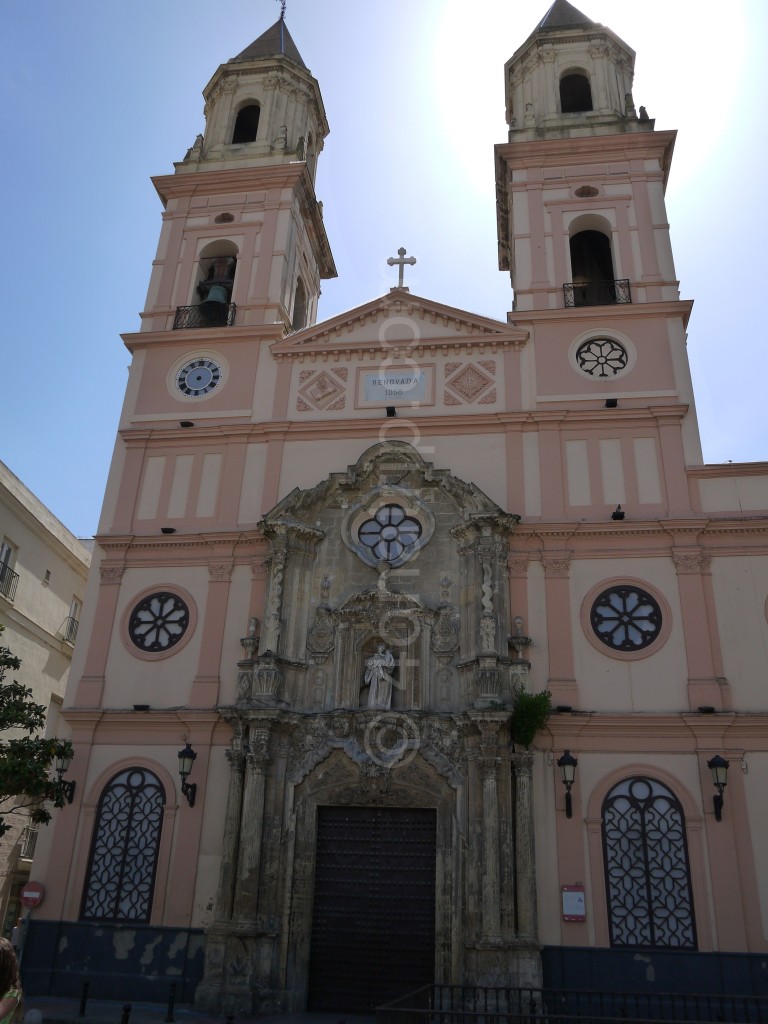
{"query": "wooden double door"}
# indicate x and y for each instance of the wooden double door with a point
(373, 921)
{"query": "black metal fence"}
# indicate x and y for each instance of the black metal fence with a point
(8, 581)
(597, 293)
(207, 314)
(460, 1004)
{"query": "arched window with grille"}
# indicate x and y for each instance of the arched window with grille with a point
(647, 874)
(126, 840)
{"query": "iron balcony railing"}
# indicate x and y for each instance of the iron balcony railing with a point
(69, 630)
(27, 842)
(597, 293)
(207, 314)
(9, 580)
(459, 1004)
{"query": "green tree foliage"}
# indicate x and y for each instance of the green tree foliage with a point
(25, 761)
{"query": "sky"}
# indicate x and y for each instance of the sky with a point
(101, 94)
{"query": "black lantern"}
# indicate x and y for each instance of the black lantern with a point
(719, 768)
(186, 760)
(567, 765)
(61, 763)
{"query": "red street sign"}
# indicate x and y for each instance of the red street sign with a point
(32, 894)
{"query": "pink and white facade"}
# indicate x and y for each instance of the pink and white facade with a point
(564, 536)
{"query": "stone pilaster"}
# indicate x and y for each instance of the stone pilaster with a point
(251, 833)
(228, 871)
(525, 854)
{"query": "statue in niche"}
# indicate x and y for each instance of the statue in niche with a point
(378, 677)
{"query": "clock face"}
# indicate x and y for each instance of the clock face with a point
(198, 377)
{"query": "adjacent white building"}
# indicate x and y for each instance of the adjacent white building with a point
(43, 569)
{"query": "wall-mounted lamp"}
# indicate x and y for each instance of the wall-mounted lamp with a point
(186, 760)
(61, 763)
(719, 768)
(391, 411)
(167, 529)
(611, 403)
(618, 514)
(186, 423)
(567, 765)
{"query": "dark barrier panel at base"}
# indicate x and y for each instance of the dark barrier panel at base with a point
(120, 961)
(654, 970)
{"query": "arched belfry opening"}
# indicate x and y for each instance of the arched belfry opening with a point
(215, 280)
(246, 124)
(299, 319)
(575, 93)
(592, 269)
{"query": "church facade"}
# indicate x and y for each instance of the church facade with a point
(339, 564)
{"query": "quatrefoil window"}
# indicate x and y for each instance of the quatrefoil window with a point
(626, 618)
(391, 534)
(158, 622)
(602, 357)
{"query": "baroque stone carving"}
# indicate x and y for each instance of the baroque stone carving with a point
(267, 677)
(445, 633)
(321, 637)
(487, 633)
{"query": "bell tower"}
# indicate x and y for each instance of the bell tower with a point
(571, 77)
(243, 241)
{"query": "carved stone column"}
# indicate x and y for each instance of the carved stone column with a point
(525, 855)
(490, 888)
(232, 820)
(251, 832)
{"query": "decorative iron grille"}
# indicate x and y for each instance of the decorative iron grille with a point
(390, 533)
(9, 580)
(468, 1004)
(69, 630)
(126, 839)
(626, 618)
(28, 842)
(597, 293)
(207, 314)
(647, 876)
(601, 357)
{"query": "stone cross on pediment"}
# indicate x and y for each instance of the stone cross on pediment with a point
(400, 263)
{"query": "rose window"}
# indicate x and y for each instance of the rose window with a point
(390, 534)
(626, 618)
(601, 357)
(158, 622)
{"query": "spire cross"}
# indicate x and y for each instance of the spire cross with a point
(282, 9)
(392, 262)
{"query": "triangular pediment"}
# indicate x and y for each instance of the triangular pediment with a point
(400, 320)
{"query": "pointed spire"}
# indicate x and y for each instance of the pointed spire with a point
(276, 41)
(564, 15)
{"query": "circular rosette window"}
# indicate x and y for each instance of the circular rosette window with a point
(601, 357)
(390, 528)
(390, 533)
(158, 622)
(626, 618)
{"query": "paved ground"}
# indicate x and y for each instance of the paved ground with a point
(101, 1011)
